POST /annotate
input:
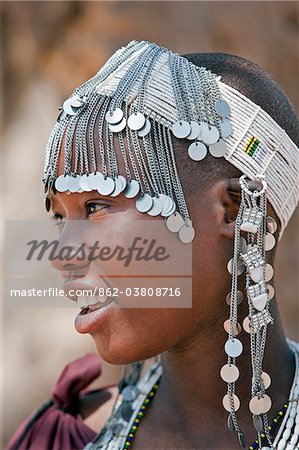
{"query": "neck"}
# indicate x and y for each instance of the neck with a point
(191, 384)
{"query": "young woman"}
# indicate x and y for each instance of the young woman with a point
(206, 145)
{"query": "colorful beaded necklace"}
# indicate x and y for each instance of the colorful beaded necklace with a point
(147, 402)
(272, 428)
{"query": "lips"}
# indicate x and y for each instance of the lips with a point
(94, 317)
(90, 301)
(89, 304)
(94, 308)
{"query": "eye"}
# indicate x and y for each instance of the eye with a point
(58, 218)
(94, 207)
(58, 221)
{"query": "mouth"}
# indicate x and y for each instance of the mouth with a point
(91, 304)
(95, 310)
(94, 313)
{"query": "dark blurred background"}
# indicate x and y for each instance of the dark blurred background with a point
(48, 48)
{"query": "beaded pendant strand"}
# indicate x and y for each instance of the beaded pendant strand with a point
(146, 403)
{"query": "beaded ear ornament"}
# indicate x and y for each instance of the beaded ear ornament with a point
(249, 255)
(123, 105)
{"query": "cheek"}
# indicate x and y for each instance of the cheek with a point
(137, 334)
(211, 279)
(132, 334)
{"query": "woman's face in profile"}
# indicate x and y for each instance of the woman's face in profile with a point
(125, 331)
(125, 334)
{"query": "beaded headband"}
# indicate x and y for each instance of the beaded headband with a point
(143, 96)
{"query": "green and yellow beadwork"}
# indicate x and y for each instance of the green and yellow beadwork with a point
(140, 415)
(272, 428)
(251, 146)
(147, 401)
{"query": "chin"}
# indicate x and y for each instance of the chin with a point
(120, 350)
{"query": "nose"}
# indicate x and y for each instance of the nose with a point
(70, 255)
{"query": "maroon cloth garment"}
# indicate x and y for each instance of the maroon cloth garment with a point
(57, 425)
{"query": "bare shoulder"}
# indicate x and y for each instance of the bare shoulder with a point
(95, 407)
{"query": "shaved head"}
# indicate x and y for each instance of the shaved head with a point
(253, 82)
(256, 84)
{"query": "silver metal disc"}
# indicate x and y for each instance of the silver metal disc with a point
(94, 179)
(144, 203)
(132, 188)
(229, 373)
(117, 429)
(260, 405)
(271, 225)
(230, 423)
(266, 379)
(157, 207)
(123, 181)
(233, 347)
(240, 268)
(225, 128)
(218, 149)
(76, 101)
(136, 121)
(170, 210)
(62, 183)
(174, 222)
(195, 130)
(246, 324)
(181, 129)
(222, 108)
(210, 135)
(126, 411)
(118, 187)
(84, 183)
(269, 241)
(240, 297)
(258, 424)
(203, 126)
(269, 272)
(145, 129)
(235, 329)
(186, 234)
(197, 151)
(74, 183)
(67, 107)
(226, 402)
(106, 186)
(242, 439)
(167, 203)
(117, 127)
(130, 393)
(271, 291)
(105, 438)
(115, 116)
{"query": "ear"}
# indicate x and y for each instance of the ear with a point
(227, 200)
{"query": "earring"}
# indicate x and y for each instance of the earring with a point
(249, 256)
